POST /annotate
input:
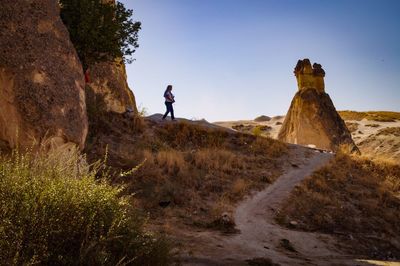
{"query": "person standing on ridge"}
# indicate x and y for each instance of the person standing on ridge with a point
(169, 100)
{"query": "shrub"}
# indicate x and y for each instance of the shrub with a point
(381, 116)
(54, 211)
(257, 131)
(100, 31)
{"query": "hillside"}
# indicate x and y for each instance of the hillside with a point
(196, 169)
(375, 133)
(353, 198)
(197, 182)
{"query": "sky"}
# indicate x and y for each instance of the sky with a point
(234, 59)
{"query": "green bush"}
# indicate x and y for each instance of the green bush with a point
(55, 211)
(100, 30)
(257, 131)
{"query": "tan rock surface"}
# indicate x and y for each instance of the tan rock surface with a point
(109, 80)
(41, 80)
(309, 76)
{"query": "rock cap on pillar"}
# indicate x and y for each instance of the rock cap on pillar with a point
(309, 76)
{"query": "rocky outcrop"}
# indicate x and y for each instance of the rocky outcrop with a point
(108, 80)
(309, 76)
(262, 118)
(312, 118)
(42, 95)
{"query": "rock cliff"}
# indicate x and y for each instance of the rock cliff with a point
(312, 118)
(108, 80)
(42, 95)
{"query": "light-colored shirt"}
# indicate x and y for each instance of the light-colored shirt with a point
(169, 97)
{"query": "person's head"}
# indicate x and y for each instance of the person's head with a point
(169, 88)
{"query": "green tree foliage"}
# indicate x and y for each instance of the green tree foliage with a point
(100, 31)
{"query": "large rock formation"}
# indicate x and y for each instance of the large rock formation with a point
(108, 80)
(42, 95)
(312, 118)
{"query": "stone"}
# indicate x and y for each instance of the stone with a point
(42, 98)
(262, 118)
(226, 218)
(312, 119)
(108, 80)
(309, 76)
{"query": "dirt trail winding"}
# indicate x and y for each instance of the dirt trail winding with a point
(261, 237)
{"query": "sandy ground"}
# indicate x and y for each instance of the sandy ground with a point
(259, 234)
(275, 123)
(365, 129)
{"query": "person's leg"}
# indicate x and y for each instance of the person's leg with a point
(172, 112)
(166, 113)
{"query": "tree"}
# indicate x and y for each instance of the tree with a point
(100, 31)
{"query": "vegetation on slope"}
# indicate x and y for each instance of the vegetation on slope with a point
(382, 116)
(190, 171)
(354, 197)
(385, 144)
(54, 211)
(395, 131)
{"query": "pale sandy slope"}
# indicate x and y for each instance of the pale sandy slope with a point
(368, 137)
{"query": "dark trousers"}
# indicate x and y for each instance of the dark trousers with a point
(170, 109)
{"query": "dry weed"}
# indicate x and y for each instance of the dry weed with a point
(218, 159)
(353, 195)
(239, 187)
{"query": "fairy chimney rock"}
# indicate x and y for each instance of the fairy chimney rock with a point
(309, 76)
(312, 118)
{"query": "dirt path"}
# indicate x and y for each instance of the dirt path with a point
(261, 237)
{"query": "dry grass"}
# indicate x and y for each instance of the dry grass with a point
(351, 196)
(188, 169)
(193, 168)
(382, 116)
(218, 159)
(353, 127)
(183, 135)
(372, 125)
(395, 131)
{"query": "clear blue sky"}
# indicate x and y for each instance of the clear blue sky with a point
(234, 59)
